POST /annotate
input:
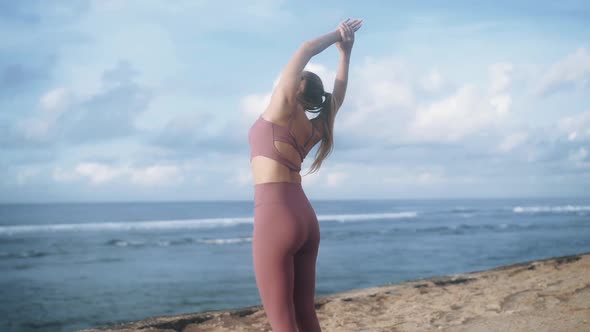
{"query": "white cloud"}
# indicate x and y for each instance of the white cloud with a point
(454, 117)
(579, 157)
(185, 124)
(581, 154)
(157, 175)
(54, 100)
(576, 127)
(328, 175)
(419, 178)
(311, 179)
(385, 83)
(433, 81)
(99, 173)
(392, 93)
(107, 114)
(501, 103)
(35, 128)
(512, 141)
(41, 125)
(572, 71)
(242, 178)
(61, 175)
(467, 111)
(500, 80)
(335, 178)
(379, 99)
(26, 173)
(428, 178)
(383, 103)
(500, 77)
(253, 105)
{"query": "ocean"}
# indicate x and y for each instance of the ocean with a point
(72, 266)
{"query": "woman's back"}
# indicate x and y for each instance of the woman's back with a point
(278, 147)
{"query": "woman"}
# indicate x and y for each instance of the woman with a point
(286, 233)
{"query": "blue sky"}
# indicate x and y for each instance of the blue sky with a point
(152, 100)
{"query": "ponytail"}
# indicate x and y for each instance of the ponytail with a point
(326, 120)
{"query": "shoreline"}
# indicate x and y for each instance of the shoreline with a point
(551, 294)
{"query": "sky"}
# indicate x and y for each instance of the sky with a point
(152, 100)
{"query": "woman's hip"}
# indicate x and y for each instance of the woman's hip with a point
(283, 217)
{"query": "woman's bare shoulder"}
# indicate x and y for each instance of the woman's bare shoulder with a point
(278, 115)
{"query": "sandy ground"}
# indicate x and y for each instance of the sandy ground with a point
(548, 295)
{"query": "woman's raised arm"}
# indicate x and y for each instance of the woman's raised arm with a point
(345, 47)
(286, 89)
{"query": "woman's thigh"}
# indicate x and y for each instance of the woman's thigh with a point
(276, 237)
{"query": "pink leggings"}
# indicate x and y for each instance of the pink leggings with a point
(285, 244)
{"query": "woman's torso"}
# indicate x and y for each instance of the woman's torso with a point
(295, 136)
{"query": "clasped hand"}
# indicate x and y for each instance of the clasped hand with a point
(347, 29)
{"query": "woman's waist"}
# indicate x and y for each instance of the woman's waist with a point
(269, 170)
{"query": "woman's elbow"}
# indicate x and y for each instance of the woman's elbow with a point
(307, 48)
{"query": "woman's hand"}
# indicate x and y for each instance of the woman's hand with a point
(347, 30)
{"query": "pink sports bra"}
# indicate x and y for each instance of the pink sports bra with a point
(262, 135)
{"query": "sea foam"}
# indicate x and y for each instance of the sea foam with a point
(183, 224)
(551, 209)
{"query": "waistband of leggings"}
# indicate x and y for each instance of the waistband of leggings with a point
(276, 192)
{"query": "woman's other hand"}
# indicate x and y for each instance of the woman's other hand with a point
(347, 29)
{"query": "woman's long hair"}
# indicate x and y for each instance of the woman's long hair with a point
(314, 99)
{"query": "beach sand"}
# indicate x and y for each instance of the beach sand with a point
(546, 295)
